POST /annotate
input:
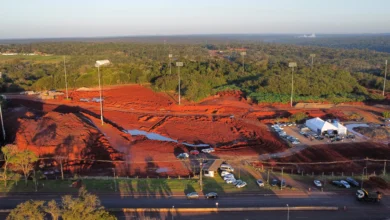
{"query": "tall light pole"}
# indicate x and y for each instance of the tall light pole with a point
(170, 63)
(292, 65)
(243, 54)
(312, 60)
(281, 181)
(2, 122)
(179, 64)
(66, 80)
(200, 175)
(288, 212)
(384, 81)
(361, 185)
(98, 64)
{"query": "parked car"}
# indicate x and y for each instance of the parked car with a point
(208, 150)
(274, 182)
(282, 183)
(345, 184)
(241, 185)
(211, 195)
(337, 183)
(194, 152)
(237, 182)
(320, 138)
(193, 195)
(352, 182)
(302, 132)
(230, 180)
(317, 183)
(226, 167)
(260, 182)
(183, 156)
(230, 176)
(224, 173)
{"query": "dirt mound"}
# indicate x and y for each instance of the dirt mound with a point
(67, 135)
(376, 133)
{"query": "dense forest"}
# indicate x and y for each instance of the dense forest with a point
(337, 75)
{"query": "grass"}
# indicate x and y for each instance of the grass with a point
(35, 59)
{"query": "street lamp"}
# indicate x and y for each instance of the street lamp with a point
(98, 64)
(170, 63)
(243, 54)
(179, 64)
(288, 212)
(281, 182)
(2, 122)
(361, 185)
(200, 175)
(384, 80)
(292, 65)
(216, 204)
(312, 60)
(66, 81)
(113, 169)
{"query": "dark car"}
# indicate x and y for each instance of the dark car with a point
(320, 138)
(352, 182)
(211, 195)
(274, 182)
(337, 183)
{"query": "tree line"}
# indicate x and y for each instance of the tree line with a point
(337, 75)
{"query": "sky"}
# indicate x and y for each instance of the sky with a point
(97, 18)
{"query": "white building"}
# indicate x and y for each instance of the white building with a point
(320, 126)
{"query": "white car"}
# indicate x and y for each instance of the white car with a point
(208, 150)
(345, 184)
(231, 176)
(229, 181)
(241, 185)
(224, 173)
(317, 183)
(260, 182)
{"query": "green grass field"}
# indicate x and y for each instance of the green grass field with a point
(34, 59)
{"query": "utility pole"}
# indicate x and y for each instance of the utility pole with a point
(312, 60)
(2, 122)
(384, 81)
(268, 176)
(179, 64)
(384, 169)
(281, 181)
(100, 94)
(288, 212)
(292, 65)
(200, 175)
(243, 54)
(361, 185)
(113, 169)
(66, 81)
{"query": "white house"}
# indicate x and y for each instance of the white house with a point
(210, 168)
(320, 126)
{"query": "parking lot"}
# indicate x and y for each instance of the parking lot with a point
(293, 135)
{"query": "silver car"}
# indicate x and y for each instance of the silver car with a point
(193, 195)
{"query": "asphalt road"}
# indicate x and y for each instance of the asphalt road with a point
(354, 209)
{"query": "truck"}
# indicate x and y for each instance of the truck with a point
(364, 195)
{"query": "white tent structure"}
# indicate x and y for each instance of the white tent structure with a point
(320, 126)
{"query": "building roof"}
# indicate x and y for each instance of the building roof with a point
(213, 166)
(321, 124)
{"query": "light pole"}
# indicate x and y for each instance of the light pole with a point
(66, 81)
(179, 64)
(170, 63)
(2, 122)
(200, 175)
(312, 60)
(288, 212)
(113, 169)
(98, 64)
(292, 65)
(384, 81)
(173, 209)
(361, 185)
(243, 54)
(281, 182)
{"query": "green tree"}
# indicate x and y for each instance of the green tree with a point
(53, 209)
(24, 161)
(386, 114)
(9, 152)
(86, 206)
(298, 117)
(32, 210)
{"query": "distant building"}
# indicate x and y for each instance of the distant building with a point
(102, 63)
(320, 126)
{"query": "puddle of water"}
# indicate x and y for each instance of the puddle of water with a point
(158, 137)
